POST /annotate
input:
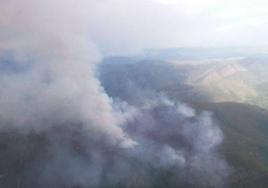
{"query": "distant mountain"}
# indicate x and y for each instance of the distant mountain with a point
(221, 80)
(204, 53)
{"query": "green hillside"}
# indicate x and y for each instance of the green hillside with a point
(246, 141)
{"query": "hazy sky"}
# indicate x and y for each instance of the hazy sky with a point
(119, 26)
(132, 24)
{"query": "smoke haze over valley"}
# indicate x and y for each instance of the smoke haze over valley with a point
(133, 94)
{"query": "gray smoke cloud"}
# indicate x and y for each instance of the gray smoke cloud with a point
(175, 135)
(51, 40)
(63, 130)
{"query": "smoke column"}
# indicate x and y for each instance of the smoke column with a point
(50, 41)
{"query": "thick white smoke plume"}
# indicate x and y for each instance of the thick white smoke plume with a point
(50, 40)
(63, 130)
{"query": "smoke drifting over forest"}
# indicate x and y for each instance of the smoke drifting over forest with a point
(63, 130)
